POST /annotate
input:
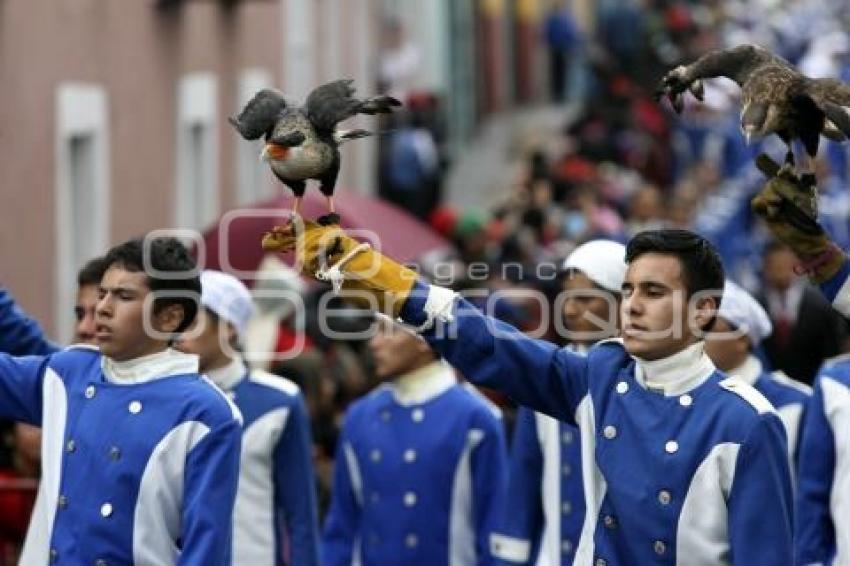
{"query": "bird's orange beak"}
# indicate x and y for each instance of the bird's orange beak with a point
(273, 152)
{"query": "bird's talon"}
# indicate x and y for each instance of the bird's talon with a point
(328, 219)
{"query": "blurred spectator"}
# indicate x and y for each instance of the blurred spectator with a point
(806, 330)
(562, 36)
(411, 165)
(400, 61)
(645, 211)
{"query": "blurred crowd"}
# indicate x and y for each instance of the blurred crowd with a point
(623, 164)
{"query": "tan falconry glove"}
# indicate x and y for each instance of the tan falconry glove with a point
(788, 204)
(327, 253)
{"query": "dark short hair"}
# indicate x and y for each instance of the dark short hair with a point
(164, 255)
(702, 268)
(92, 272)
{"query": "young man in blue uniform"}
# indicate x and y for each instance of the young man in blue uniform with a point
(85, 305)
(275, 519)
(689, 466)
(741, 325)
(420, 468)
(139, 452)
(544, 508)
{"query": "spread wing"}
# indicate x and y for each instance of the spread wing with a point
(332, 103)
(260, 114)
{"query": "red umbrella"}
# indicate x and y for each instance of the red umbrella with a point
(233, 244)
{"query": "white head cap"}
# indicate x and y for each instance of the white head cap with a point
(602, 261)
(740, 309)
(228, 298)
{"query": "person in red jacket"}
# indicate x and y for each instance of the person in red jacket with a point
(18, 485)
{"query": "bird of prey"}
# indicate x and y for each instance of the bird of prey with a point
(303, 142)
(776, 98)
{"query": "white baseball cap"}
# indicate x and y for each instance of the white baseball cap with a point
(740, 309)
(602, 261)
(228, 298)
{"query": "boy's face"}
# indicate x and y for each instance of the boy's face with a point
(396, 351)
(654, 308)
(590, 314)
(209, 339)
(727, 347)
(120, 316)
(84, 308)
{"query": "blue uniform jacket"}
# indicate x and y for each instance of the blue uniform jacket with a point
(418, 483)
(823, 487)
(699, 478)
(275, 517)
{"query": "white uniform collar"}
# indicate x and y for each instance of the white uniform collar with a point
(748, 371)
(228, 376)
(147, 368)
(423, 384)
(676, 374)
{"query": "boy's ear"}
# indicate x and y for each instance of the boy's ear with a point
(705, 309)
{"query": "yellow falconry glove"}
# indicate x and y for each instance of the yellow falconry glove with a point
(788, 204)
(327, 253)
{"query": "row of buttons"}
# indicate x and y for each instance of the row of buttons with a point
(684, 400)
(610, 432)
(417, 415)
(135, 407)
(409, 455)
(54, 556)
(106, 510)
(71, 447)
(658, 546)
(410, 540)
(409, 498)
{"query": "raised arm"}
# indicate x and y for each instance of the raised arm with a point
(19, 334)
(534, 373)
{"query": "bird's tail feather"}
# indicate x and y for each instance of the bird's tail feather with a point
(341, 136)
(382, 104)
(347, 135)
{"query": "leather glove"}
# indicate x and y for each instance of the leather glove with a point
(327, 253)
(788, 204)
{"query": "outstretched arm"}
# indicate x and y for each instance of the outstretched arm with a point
(19, 334)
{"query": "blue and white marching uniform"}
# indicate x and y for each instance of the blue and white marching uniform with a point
(275, 515)
(788, 396)
(418, 477)
(139, 459)
(823, 486)
(682, 465)
(544, 505)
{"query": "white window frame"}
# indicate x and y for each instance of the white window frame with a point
(253, 177)
(197, 107)
(81, 111)
(365, 178)
(332, 16)
(299, 68)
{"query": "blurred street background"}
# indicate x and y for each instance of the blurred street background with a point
(528, 127)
